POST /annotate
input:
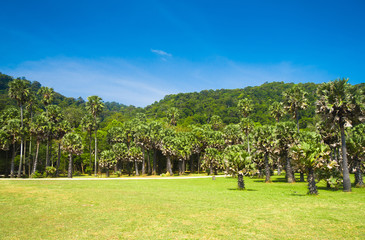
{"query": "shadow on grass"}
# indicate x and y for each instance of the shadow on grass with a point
(237, 189)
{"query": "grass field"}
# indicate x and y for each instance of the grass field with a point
(177, 209)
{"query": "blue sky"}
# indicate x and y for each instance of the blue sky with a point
(136, 52)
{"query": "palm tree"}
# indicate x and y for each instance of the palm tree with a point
(356, 147)
(135, 155)
(285, 135)
(276, 110)
(211, 159)
(39, 128)
(245, 107)
(247, 125)
(72, 144)
(342, 105)
(55, 116)
(173, 116)
(295, 100)
(59, 131)
(20, 91)
(95, 106)
(216, 122)
(107, 160)
(47, 95)
(168, 147)
(264, 143)
(87, 124)
(155, 138)
(238, 161)
(232, 134)
(311, 152)
(12, 128)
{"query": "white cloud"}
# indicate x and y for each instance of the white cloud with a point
(161, 53)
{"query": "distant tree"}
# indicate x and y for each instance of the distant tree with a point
(72, 144)
(95, 106)
(216, 122)
(135, 155)
(247, 125)
(173, 115)
(295, 99)
(341, 104)
(107, 160)
(88, 125)
(232, 134)
(212, 159)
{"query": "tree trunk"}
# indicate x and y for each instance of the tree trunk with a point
(24, 157)
(311, 182)
(69, 174)
(180, 167)
(58, 159)
(30, 156)
(90, 157)
(143, 161)
(297, 118)
(183, 166)
(168, 165)
(289, 171)
(136, 167)
(21, 142)
(12, 162)
(47, 153)
(148, 163)
(36, 158)
(241, 183)
(198, 163)
(346, 174)
(210, 169)
(267, 168)
(191, 164)
(96, 150)
(301, 177)
(107, 172)
(248, 143)
(154, 161)
(358, 174)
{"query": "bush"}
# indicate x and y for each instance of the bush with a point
(118, 173)
(50, 172)
(89, 170)
(36, 174)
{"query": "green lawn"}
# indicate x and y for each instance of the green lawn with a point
(177, 209)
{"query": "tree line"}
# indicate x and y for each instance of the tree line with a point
(42, 139)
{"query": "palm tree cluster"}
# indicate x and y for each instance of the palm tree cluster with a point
(329, 150)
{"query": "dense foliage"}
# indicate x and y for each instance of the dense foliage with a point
(244, 132)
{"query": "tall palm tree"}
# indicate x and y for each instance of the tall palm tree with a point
(59, 131)
(72, 144)
(87, 124)
(247, 125)
(341, 104)
(295, 99)
(95, 107)
(20, 91)
(12, 129)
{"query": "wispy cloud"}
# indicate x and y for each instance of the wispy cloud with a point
(144, 82)
(161, 53)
